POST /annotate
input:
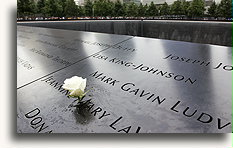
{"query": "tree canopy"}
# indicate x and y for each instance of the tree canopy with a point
(224, 9)
(103, 8)
(164, 9)
(196, 9)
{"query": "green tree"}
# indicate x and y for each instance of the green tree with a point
(132, 9)
(18, 10)
(103, 8)
(231, 9)
(141, 10)
(185, 6)
(118, 9)
(212, 11)
(224, 9)
(109, 8)
(33, 7)
(80, 11)
(70, 8)
(152, 10)
(124, 9)
(196, 8)
(164, 9)
(146, 10)
(52, 8)
(26, 7)
(40, 6)
(177, 8)
(99, 7)
(88, 8)
(62, 3)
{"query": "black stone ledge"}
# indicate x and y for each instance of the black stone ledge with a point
(205, 32)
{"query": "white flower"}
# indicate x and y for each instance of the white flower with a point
(76, 86)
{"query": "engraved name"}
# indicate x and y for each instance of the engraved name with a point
(36, 121)
(198, 62)
(148, 69)
(24, 63)
(178, 107)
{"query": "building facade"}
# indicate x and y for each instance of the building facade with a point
(79, 2)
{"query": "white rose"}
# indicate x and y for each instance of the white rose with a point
(76, 86)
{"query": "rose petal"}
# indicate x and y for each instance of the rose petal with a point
(74, 83)
(83, 84)
(77, 93)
